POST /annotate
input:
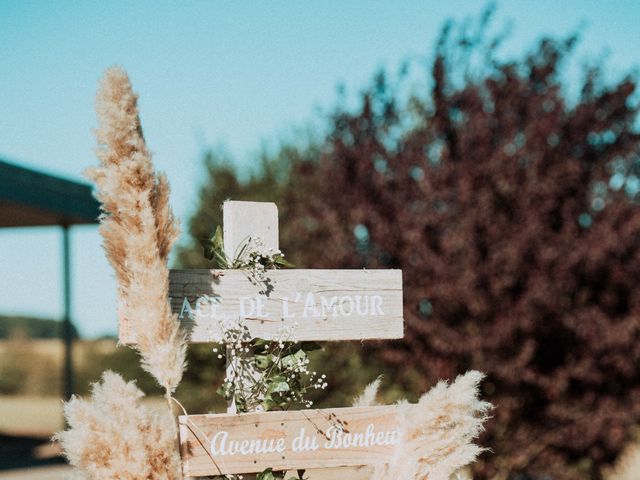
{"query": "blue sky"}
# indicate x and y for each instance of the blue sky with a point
(233, 74)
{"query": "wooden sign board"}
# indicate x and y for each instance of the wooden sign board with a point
(302, 439)
(317, 304)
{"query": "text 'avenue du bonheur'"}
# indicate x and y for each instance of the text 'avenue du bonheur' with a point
(333, 439)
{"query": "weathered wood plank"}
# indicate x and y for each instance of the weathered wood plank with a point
(302, 439)
(325, 304)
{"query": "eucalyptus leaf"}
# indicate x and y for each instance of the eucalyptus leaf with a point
(292, 360)
(279, 261)
(263, 361)
(266, 475)
(278, 384)
(243, 248)
(214, 249)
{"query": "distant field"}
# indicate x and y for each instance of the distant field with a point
(58, 472)
(53, 348)
(29, 415)
(31, 380)
(33, 367)
(25, 415)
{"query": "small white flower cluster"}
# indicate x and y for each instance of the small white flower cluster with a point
(235, 336)
(300, 369)
(284, 334)
(256, 258)
(320, 382)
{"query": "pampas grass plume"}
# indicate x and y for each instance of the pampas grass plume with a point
(138, 229)
(437, 433)
(627, 466)
(368, 397)
(113, 435)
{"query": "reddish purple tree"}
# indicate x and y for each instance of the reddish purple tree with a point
(512, 212)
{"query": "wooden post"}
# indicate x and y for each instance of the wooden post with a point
(242, 220)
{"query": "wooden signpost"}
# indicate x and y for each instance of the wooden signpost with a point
(300, 439)
(324, 305)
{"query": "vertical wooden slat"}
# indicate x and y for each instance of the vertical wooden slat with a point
(244, 219)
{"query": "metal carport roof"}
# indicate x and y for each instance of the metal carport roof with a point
(30, 198)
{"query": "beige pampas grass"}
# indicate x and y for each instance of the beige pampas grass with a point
(138, 229)
(114, 436)
(436, 434)
(628, 465)
(368, 397)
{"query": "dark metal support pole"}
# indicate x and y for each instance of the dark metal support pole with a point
(67, 328)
